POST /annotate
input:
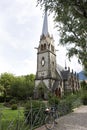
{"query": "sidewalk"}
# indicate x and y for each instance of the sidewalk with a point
(76, 120)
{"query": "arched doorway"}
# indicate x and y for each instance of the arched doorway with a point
(42, 90)
(58, 92)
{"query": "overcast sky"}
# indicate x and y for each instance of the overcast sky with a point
(20, 29)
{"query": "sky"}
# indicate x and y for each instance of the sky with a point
(20, 29)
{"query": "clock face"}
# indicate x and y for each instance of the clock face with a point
(43, 61)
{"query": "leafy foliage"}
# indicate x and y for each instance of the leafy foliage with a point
(6, 80)
(84, 92)
(20, 87)
(84, 85)
(71, 20)
(53, 100)
(23, 86)
(14, 107)
(84, 99)
(34, 113)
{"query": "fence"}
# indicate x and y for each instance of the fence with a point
(35, 118)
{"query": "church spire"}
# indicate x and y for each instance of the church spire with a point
(45, 25)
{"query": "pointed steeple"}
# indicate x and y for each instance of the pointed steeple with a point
(45, 25)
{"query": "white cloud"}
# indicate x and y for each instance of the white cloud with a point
(20, 30)
(30, 65)
(5, 66)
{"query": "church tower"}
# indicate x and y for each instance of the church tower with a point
(46, 62)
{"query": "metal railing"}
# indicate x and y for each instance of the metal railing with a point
(34, 118)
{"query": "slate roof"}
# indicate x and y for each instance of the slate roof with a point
(65, 74)
(62, 72)
(59, 70)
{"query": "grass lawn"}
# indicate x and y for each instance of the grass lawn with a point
(7, 116)
(2, 106)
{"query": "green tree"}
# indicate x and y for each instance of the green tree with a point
(71, 20)
(80, 6)
(29, 83)
(22, 87)
(18, 88)
(1, 90)
(84, 85)
(6, 80)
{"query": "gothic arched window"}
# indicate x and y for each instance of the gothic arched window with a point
(44, 46)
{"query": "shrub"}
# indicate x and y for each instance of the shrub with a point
(13, 101)
(84, 99)
(84, 85)
(14, 107)
(74, 99)
(2, 99)
(8, 98)
(64, 107)
(53, 100)
(77, 103)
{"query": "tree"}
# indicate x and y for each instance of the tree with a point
(29, 83)
(18, 88)
(6, 80)
(23, 86)
(1, 89)
(84, 85)
(71, 20)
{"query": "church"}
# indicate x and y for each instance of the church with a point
(50, 76)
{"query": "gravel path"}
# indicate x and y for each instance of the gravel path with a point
(76, 120)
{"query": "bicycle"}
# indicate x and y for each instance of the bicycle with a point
(51, 116)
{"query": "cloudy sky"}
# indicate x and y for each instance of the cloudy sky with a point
(20, 29)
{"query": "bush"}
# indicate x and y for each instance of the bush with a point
(64, 107)
(53, 100)
(2, 99)
(14, 107)
(8, 98)
(12, 101)
(74, 99)
(84, 85)
(84, 99)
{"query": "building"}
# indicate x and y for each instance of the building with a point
(51, 77)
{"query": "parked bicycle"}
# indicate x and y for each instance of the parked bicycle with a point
(51, 117)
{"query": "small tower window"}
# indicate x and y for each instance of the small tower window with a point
(42, 47)
(45, 46)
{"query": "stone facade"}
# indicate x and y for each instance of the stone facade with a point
(51, 77)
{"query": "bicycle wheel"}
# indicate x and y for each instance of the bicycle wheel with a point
(49, 122)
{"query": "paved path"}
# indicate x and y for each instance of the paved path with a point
(73, 121)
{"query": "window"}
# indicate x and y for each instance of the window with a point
(42, 47)
(45, 46)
